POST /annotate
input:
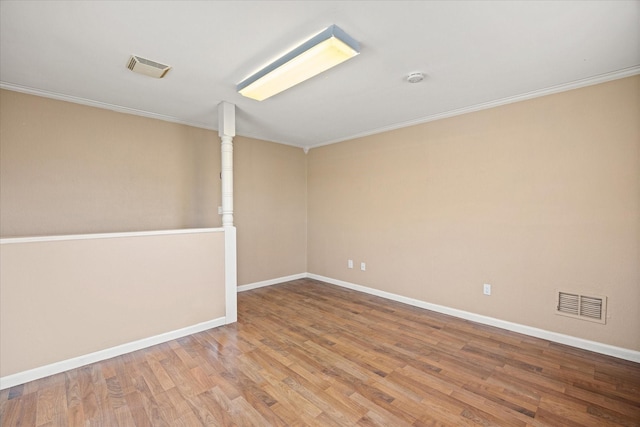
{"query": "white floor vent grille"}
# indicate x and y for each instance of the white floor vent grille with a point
(592, 308)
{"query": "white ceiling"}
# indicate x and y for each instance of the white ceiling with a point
(475, 54)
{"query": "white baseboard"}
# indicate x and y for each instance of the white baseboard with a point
(619, 352)
(270, 282)
(77, 362)
(65, 365)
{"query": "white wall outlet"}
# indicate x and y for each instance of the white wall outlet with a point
(486, 289)
(350, 263)
(363, 266)
(219, 210)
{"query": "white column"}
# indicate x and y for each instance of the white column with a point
(227, 180)
(226, 131)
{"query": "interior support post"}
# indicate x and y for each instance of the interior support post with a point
(226, 131)
(227, 180)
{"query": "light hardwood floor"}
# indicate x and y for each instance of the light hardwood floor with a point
(309, 353)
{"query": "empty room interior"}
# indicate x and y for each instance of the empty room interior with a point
(397, 213)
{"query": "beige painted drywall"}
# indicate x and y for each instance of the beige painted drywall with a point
(531, 197)
(70, 169)
(65, 299)
(270, 210)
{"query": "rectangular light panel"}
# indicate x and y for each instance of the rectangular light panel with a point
(323, 51)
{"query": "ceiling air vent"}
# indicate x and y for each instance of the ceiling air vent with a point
(592, 308)
(147, 67)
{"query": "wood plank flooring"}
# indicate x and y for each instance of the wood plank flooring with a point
(309, 353)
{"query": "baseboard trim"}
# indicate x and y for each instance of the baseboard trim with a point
(270, 282)
(619, 352)
(77, 362)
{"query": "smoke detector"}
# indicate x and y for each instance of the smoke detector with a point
(147, 67)
(416, 77)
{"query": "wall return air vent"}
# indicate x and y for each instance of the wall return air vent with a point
(591, 308)
(147, 67)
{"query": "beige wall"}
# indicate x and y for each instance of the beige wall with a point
(70, 169)
(530, 197)
(65, 299)
(270, 210)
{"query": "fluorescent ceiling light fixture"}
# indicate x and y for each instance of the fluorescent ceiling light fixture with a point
(327, 49)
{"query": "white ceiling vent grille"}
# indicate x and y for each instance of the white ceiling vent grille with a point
(147, 67)
(592, 308)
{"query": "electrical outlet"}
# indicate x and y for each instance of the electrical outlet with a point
(486, 289)
(363, 266)
(350, 263)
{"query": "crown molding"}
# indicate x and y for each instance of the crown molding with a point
(576, 84)
(103, 105)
